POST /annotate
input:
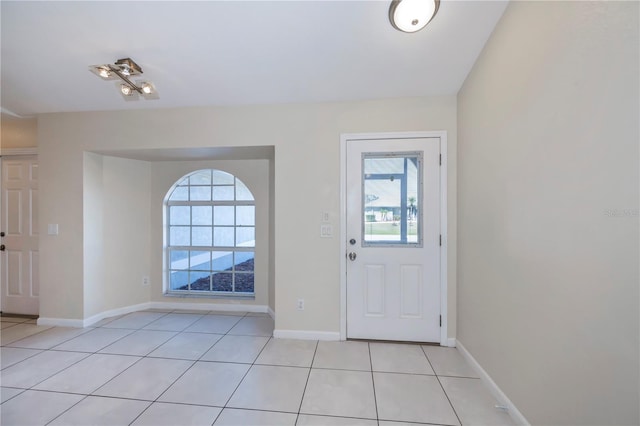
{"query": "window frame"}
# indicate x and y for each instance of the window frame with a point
(233, 249)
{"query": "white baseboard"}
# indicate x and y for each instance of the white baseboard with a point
(271, 313)
(307, 335)
(87, 322)
(115, 312)
(513, 411)
(451, 342)
(223, 307)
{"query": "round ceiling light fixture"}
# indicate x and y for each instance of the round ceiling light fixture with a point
(410, 16)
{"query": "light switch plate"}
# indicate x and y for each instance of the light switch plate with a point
(52, 229)
(326, 231)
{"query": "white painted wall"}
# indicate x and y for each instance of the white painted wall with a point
(306, 181)
(548, 150)
(116, 233)
(254, 174)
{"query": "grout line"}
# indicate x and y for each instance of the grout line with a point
(304, 391)
(442, 387)
(373, 382)
(243, 377)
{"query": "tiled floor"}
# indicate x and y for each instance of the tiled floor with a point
(198, 368)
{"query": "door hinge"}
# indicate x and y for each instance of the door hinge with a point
(441, 159)
(441, 240)
(440, 320)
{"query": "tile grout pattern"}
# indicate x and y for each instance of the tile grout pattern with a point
(225, 368)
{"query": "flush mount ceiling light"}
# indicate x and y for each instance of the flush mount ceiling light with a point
(410, 16)
(122, 70)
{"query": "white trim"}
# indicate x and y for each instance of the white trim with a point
(502, 398)
(18, 151)
(307, 335)
(87, 322)
(223, 307)
(451, 342)
(271, 313)
(442, 134)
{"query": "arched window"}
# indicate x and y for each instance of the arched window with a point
(210, 235)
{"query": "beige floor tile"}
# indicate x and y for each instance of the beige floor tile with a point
(135, 320)
(147, 379)
(412, 398)
(20, 331)
(174, 322)
(166, 414)
(186, 346)
(49, 338)
(473, 402)
(10, 356)
(343, 356)
(217, 324)
(19, 411)
(448, 362)
(33, 370)
(89, 374)
(236, 417)
(271, 388)
(93, 340)
(309, 420)
(139, 343)
(288, 352)
(340, 393)
(253, 326)
(399, 358)
(98, 411)
(8, 393)
(206, 383)
(244, 349)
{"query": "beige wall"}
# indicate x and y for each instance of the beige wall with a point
(548, 149)
(306, 181)
(254, 174)
(18, 132)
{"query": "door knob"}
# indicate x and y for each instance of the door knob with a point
(2, 247)
(2, 234)
(352, 256)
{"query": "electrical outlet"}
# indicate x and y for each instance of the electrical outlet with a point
(300, 305)
(145, 281)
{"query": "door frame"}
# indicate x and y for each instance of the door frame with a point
(344, 139)
(9, 152)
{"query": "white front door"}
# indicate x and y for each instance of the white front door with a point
(393, 239)
(19, 223)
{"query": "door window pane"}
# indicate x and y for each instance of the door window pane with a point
(390, 199)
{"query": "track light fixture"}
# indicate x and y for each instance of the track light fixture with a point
(122, 70)
(410, 16)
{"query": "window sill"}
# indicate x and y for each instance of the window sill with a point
(210, 296)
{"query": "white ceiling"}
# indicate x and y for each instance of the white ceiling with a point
(232, 52)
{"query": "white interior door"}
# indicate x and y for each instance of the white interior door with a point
(393, 239)
(19, 223)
